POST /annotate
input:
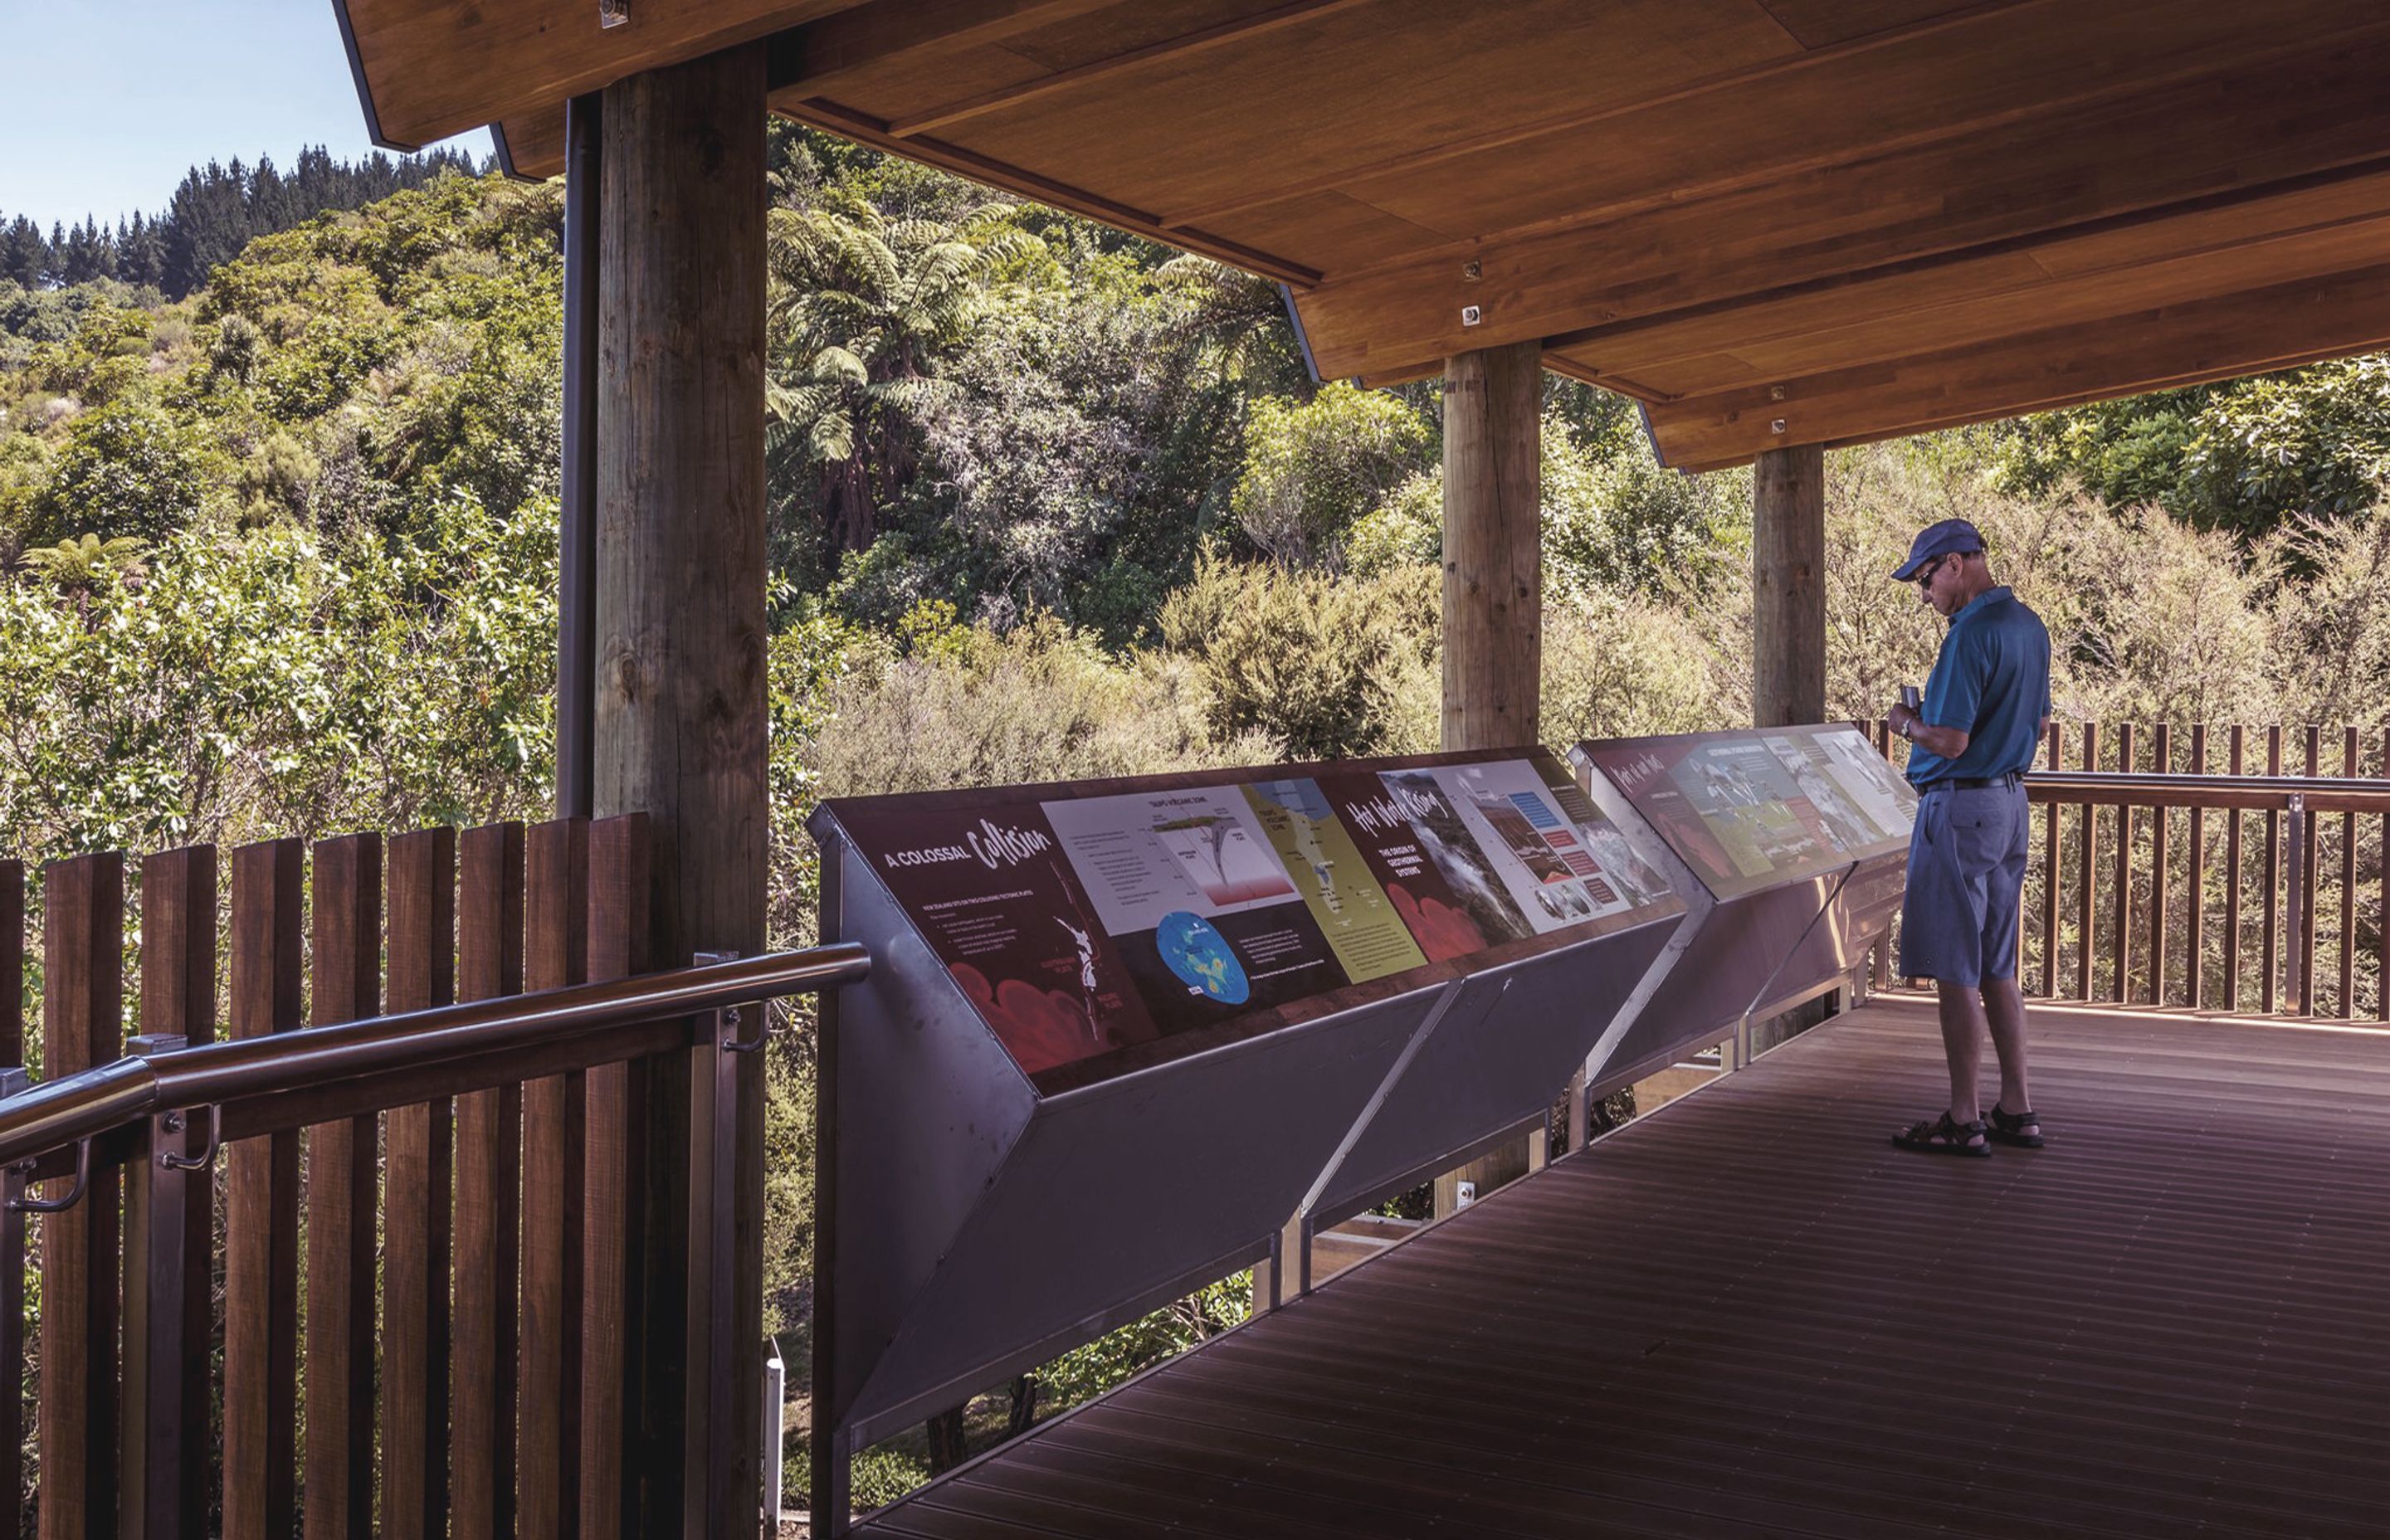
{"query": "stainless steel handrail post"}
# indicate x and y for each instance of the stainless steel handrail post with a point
(160, 1496)
(2294, 973)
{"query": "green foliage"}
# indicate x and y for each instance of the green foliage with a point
(242, 685)
(1623, 666)
(2250, 456)
(1614, 520)
(880, 1475)
(1314, 468)
(973, 706)
(82, 564)
(131, 469)
(1407, 530)
(867, 306)
(1327, 666)
(2331, 613)
(1086, 1372)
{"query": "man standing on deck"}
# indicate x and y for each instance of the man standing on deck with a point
(1985, 710)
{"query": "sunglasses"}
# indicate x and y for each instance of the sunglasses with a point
(1926, 574)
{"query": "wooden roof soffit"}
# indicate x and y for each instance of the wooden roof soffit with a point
(1856, 219)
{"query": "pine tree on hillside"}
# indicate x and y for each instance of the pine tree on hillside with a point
(140, 253)
(24, 254)
(218, 210)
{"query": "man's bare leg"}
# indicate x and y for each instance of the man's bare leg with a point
(1962, 1043)
(2004, 1006)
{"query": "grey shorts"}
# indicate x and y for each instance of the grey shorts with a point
(1966, 881)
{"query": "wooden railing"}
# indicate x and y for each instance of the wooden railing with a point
(446, 1196)
(2233, 869)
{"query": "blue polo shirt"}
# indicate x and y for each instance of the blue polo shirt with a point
(1992, 680)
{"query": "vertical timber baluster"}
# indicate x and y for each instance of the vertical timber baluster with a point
(342, 1161)
(555, 953)
(12, 964)
(2271, 918)
(2086, 879)
(2049, 812)
(2121, 901)
(614, 1242)
(2310, 828)
(2196, 857)
(2347, 996)
(261, 1354)
(2195, 916)
(83, 1025)
(170, 1217)
(488, 1200)
(12, 1325)
(2232, 882)
(415, 1205)
(2381, 903)
(1882, 960)
(2161, 762)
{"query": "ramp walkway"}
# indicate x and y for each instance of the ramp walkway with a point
(1748, 1315)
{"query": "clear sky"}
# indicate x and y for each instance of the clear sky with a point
(105, 104)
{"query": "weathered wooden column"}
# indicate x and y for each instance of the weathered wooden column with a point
(1492, 595)
(1788, 586)
(1493, 546)
(679, 729)
(1788, 634)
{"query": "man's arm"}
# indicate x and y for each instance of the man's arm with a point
(1947, 742)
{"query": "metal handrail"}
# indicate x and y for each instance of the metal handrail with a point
(2319, 793)
(93, 1102)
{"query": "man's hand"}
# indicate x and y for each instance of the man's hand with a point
(1946, 742)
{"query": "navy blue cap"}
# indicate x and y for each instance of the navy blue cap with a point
(1942, 539)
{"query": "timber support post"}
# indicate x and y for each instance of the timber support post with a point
(1788, 586)
(1788, 643)
(679, 725)
(1493, 546)
(1493, 597)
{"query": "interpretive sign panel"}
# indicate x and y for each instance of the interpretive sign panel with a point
(1755, 810)
(1091, 927)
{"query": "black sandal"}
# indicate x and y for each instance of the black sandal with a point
(1944, 1135)
(2009, 1128)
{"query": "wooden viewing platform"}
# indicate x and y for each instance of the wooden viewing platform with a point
(1750, 1315)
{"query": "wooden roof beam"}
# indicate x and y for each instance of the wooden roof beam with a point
(1172, 48)
(864, 129)
(2305, 228)
(427, 68)
(1510, 134)
(2275, 327)
(2246, 131)
(809, 59)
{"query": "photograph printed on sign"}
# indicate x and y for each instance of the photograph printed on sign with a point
(1871, 781)
(1399, 856)
(1535, 852)
(1356, 914)
(1208, 920)
(1627, 871)
(1753, 808)
(996, 902)
(1458, 856)
(1805, 760)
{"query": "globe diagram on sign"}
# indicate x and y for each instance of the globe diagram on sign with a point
(1199, 955)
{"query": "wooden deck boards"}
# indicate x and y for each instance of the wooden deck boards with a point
(1751, 1317)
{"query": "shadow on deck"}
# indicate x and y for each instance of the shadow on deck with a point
(1750, 1315)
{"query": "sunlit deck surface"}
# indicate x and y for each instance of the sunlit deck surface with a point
(1748, 1314)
